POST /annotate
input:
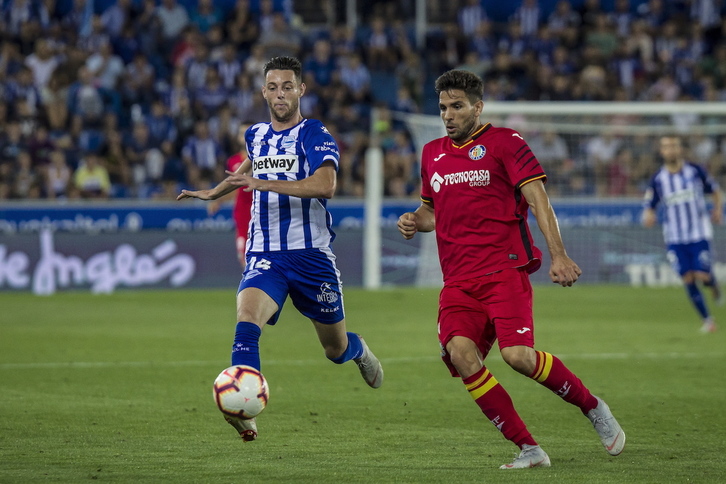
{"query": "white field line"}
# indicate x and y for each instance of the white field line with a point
(410, 359)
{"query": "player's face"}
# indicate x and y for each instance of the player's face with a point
(460, 116)
(282, 92)
(670, 149)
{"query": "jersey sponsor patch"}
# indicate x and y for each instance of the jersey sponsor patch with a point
(269, 164)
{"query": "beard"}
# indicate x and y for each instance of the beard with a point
(287, 114)
(464, 130)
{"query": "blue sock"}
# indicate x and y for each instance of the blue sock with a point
(353, 351)
(697, 299)
(246, 347)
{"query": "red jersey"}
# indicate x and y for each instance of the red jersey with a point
(481, 215)
(242, 211)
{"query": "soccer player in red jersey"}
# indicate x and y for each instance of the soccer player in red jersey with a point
(478, 183)
(242, 211)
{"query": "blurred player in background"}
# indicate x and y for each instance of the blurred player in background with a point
(681, 188)
(477, 185)
(242, 211)
(293, 163)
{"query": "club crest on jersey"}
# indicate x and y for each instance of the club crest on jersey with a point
(288, 141)
(477, 152)
(275, 164)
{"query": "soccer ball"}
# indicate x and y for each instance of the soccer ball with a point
(241, 391)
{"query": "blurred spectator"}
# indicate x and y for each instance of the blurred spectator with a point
(105, 67)
(91, 178)
(562, 18)
(195, 68)
(85, 100)
(378, 49)
(470, 17)
(138, 81)
(229, 67)
(321, 63)
(243, 28)
(527, 16)
(205, 16)
(622, 18)
(23, 89)
(211, 96)
(281, 39)
(356, 77)
(173, 18)
(115, 17)
(400, 169)
(160, 124)
(40, 146)
(42, 62)
(119, 172)
(26, 181)
(202, 156)
(58, 176)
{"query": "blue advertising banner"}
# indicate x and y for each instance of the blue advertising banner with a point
(114, 217)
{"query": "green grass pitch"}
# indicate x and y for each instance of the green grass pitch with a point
(118, 389)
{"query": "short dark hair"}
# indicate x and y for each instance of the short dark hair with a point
(284, 63)
(466, 81)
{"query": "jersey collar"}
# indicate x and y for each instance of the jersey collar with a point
(476, 134)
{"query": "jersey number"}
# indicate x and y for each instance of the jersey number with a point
(259, 264)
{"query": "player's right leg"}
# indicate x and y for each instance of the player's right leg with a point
(466, 335)
(259, 301)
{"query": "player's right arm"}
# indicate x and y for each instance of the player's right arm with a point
(422, 220)
(220, 190)
(651, 200)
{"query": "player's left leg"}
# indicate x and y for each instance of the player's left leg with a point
(515, 331)
(316, 291)
(341, 346)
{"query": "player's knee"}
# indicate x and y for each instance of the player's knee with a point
(522, 359)
(464, 357)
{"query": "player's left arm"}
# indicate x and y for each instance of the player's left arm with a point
(563, 270)
(320, 184)
(717, 212)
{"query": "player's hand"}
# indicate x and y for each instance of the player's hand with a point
(248, 183)
(717, 215)
(649, 218)
(564, 271)
(200, 194)
(407, 225)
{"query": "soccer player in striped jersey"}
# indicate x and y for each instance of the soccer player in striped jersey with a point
(291, 170)
(478, 183)
(680, 188)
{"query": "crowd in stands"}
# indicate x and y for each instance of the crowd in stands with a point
(146, 96)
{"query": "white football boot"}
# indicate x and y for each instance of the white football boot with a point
(531, 456)
(369, 366)
(609, 430)
(247, 428)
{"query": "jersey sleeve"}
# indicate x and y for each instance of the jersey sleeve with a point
(426, 191)
(320, 146)
(710, 185)
(520, 163)
(652, 197)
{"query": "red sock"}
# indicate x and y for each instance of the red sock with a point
(496, 404)
(553, 374)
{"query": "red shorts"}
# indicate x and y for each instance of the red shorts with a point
(497, 306)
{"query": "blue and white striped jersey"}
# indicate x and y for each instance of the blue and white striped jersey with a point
(685, 214)
(281, 222)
